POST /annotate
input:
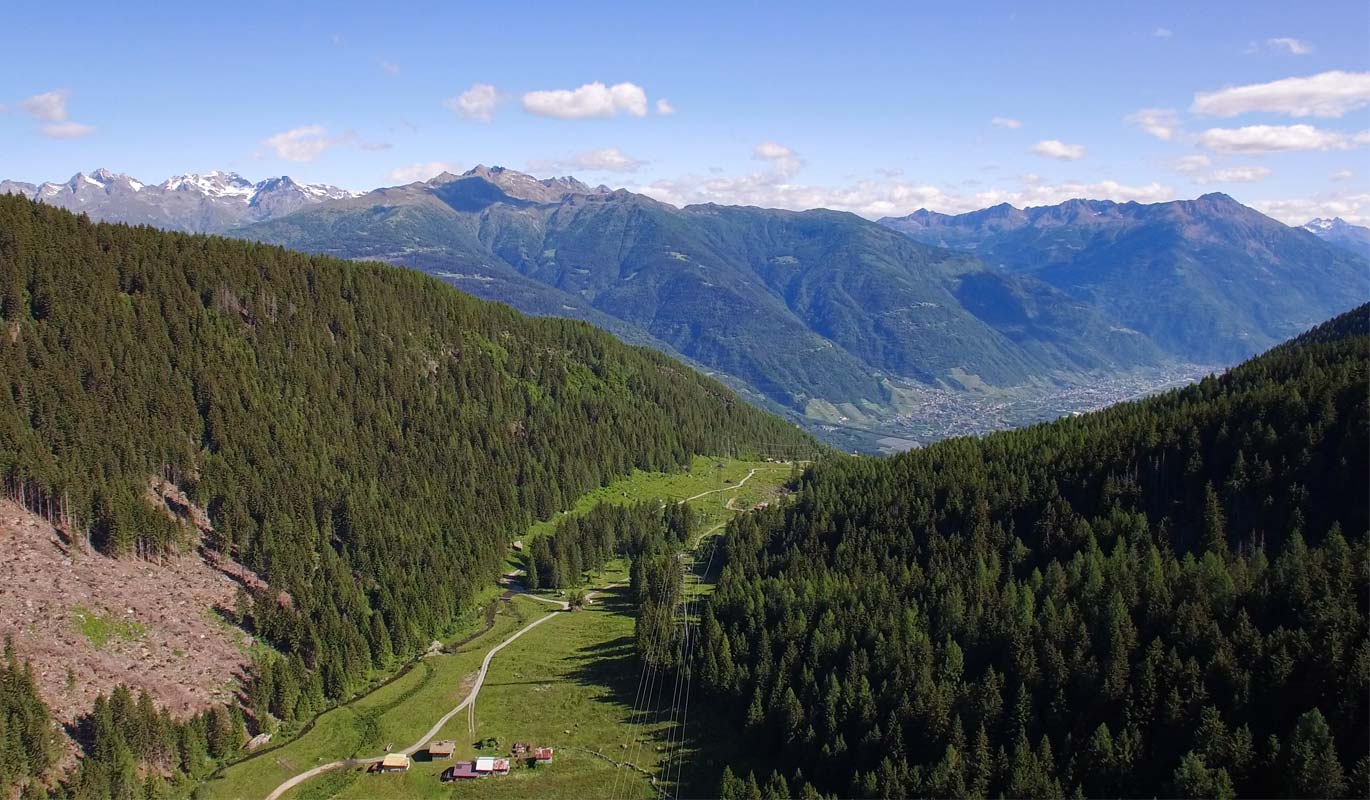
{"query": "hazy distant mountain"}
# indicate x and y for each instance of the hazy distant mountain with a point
(1341, 233)
(1209, 280)
(811, 309)
(210, 203)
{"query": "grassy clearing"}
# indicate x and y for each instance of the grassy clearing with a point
(100, 628)
(571, 683)
(397, 713)
(575, 684)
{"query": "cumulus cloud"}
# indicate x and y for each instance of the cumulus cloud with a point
(423, 171)
(604, 159)
(1163, 123)
(588, 102)
(48, 106)
(305, 143)
(1342, 175)
(50, 109)
(66, 130)
(771, 151)
(476, 103)
(1328, 94)
(1006, 122)
(1244, 174)
(1278, 138)
(664, 107)
(1055, 148)
(1163, 33)
(1290, 45)
(1354, 207)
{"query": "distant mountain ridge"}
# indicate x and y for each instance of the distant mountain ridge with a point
(1209, 279)
(1341, 233)
(209, 203)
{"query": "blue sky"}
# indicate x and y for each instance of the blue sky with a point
(870, 107)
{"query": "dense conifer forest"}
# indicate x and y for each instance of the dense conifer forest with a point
(364, 437)
(586, 542)
(1165, 598)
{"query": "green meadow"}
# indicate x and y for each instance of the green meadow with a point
(573, 683)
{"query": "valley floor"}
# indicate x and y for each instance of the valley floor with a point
(921, 414)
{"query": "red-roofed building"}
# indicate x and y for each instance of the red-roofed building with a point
(543, 755)
(460, 771)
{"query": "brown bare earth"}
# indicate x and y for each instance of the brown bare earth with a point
(162, 632)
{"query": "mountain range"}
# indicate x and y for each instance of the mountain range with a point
(818, 311)
(830, 318)
(1208, 280)
(209, 203)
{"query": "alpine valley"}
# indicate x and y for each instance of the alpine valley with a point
(876, 336)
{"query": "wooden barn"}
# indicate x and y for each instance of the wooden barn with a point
(442, 749)
(394, 762)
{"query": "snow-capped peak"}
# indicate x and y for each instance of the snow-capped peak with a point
(212, 184)
(1320, 224)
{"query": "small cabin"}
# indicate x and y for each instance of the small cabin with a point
(501, 766)
(394, 762)
(520, 750)
(485, 765)
(442, 749)
(543, 755)
(460, 771)
(518, 545)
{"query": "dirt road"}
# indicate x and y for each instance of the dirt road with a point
(433, 731)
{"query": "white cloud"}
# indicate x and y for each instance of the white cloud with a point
(1163, 33)
(1289, 44)
(1055, 148)
(389, 67)
(1006, 122)
(476, 103)
(303, 144)
(771, 151)
(66, 130)
(1328, 94)
(1342, 175)
(423, 171)
(587, 102)
(48, 106)
(664, 107)
(1163, 123)
(1278, 138)
(1243, 174)
(604, 159)
(775, 187)
(1354, 207)
(1191, 165)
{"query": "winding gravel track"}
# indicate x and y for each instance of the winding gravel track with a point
(433, 731)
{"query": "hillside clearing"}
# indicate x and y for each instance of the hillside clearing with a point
(103, 621)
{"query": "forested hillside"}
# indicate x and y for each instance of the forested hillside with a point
(363, 436)
(1165, 598)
